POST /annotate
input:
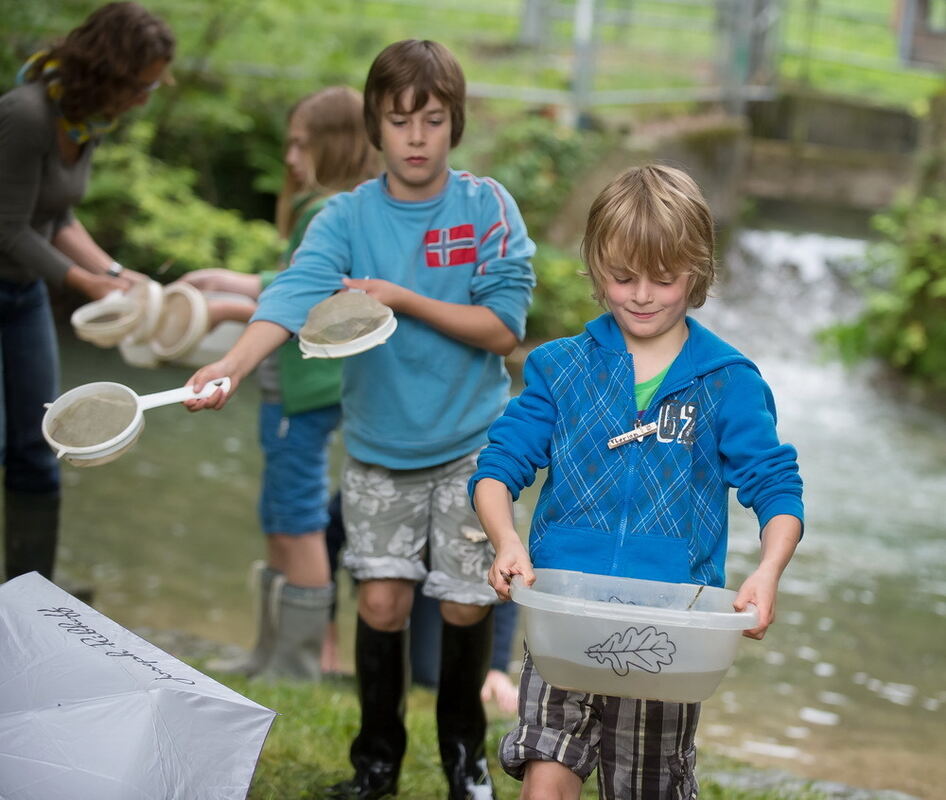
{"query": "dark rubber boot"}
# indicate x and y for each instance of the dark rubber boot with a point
(382, 673)
(31, 531)
(465, 654)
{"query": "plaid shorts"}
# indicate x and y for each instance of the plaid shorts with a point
(643, 749)
(417, 525)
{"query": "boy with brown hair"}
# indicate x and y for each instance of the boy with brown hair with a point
(644, 422)
(447, 251)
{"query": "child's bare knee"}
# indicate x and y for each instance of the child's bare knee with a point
(462, 614)
(549, 780)
(385, 604)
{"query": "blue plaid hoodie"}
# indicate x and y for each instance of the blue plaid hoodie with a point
(656, 508)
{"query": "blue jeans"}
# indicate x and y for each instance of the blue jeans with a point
(29, 365)
(295, 487)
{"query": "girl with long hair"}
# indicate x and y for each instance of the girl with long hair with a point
(327, 151)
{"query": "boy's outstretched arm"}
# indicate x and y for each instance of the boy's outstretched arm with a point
(474, 325)
(257, 341)
(493, 504)
(779, 539)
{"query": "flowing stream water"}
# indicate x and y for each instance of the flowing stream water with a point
(848, 685)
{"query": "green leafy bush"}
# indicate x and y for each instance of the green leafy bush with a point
(904, 321)
(538, 161)
(562, 302)
(146, 213)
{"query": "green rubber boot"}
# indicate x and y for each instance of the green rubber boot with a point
(269, 582)
(302, 615)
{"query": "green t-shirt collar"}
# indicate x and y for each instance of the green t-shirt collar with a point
(644, 392)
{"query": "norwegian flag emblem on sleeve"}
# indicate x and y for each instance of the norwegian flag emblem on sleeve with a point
(450, 247)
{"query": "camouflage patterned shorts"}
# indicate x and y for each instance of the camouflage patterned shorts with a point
(398, 522)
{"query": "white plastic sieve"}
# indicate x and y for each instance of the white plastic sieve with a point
(97, 422)
(107, 321)
(371, 323)
(149, 296)
(183, 322)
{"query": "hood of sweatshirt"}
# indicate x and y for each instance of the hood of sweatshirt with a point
(703, 352)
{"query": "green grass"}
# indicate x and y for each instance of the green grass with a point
(852, 49)
(307, 748)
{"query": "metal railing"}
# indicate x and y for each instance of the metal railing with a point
(582, 55)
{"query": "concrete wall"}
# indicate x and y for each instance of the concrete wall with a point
(858, 179)
(809, 147)
(802, 148)
(834, 121)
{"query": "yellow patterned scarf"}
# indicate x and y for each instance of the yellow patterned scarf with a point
(78, 132)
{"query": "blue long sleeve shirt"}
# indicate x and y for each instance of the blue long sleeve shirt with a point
(422, 398)
(656, 508)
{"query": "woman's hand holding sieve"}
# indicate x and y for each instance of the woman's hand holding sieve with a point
(94, 285)
(132, 276)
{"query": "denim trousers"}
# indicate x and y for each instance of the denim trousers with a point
(29, 367)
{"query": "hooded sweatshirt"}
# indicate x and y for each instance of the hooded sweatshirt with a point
(656, 508)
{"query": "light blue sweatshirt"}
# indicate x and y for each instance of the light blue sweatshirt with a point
(422, 398)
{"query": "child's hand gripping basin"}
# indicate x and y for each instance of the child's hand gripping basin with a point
(630, 638)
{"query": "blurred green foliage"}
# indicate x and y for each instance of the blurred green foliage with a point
(562, 302)
(539, 162)
(172, 188)
(904, 321)
(146, 213)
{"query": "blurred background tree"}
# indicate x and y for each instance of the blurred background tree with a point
(904, 284)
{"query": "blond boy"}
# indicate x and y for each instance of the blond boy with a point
(686, 417)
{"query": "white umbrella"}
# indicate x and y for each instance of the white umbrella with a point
(90, 711)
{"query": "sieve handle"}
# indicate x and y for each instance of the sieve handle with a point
(180, 395)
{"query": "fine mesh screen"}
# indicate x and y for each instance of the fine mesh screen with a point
(174, 321)
(342, 318)
(94, 419)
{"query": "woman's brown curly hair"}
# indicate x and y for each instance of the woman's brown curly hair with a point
(101, 60)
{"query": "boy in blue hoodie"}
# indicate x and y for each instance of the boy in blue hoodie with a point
(644, 422)
(447, 251)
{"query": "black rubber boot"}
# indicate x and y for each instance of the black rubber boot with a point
(382, 673)
(465, 653)
(31, 531)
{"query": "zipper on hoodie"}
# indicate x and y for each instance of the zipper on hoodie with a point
(630, 472)
(634, 455)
